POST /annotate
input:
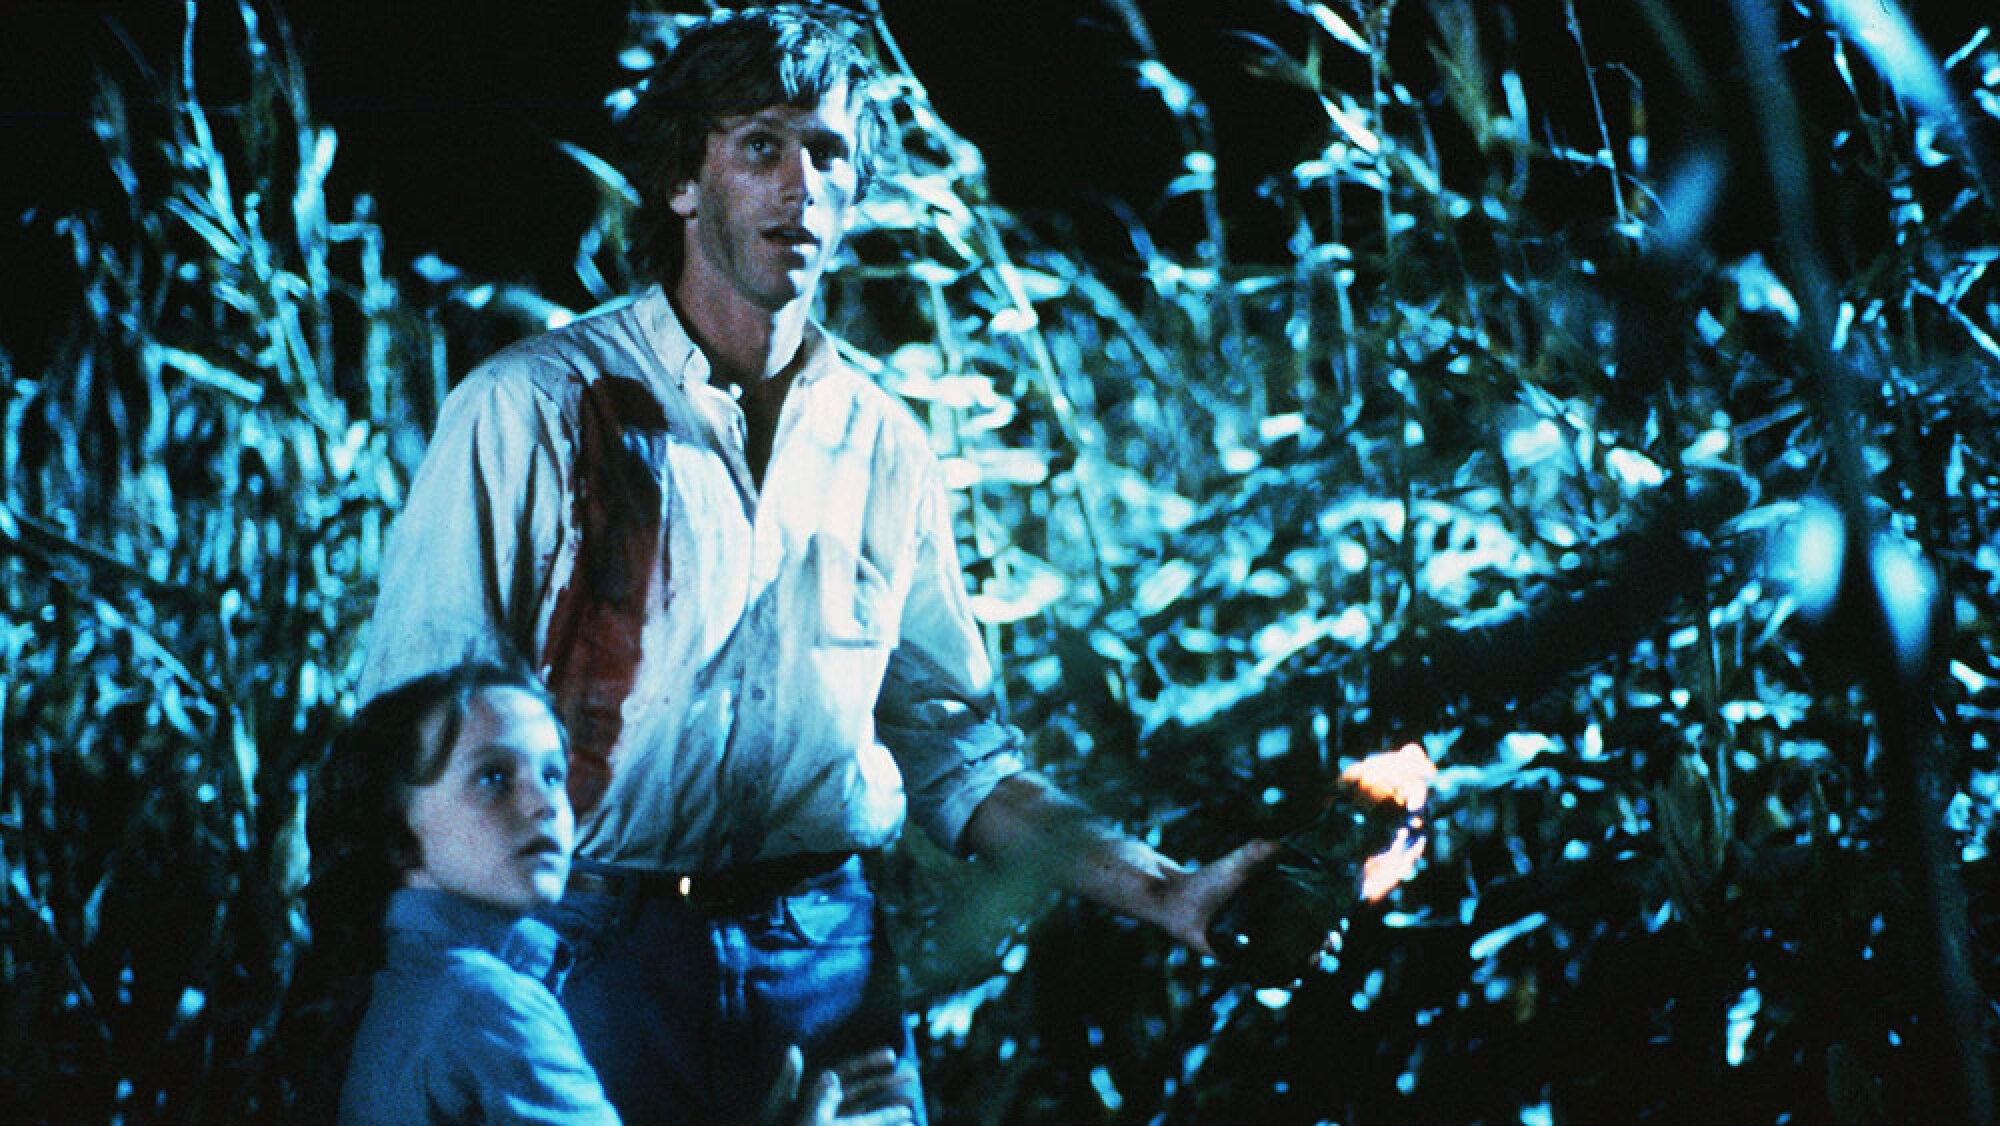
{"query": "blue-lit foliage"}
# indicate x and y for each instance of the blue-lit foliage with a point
(1232, 524)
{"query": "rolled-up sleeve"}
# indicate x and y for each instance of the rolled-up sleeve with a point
(937, 711)
(470, 551)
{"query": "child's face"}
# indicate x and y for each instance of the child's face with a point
(496, 826)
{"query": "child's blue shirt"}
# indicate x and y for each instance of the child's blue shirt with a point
(463, 1023)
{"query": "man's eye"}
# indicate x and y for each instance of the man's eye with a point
(759, 144)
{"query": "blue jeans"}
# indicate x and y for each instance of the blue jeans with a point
(686, 1014)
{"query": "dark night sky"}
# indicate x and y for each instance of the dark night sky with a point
(448, 111)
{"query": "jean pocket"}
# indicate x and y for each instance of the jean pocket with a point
(825, 918)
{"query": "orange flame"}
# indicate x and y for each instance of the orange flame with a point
(1381, 872)
(1402, 776)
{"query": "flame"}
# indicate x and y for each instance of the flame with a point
(1381, 872)
(1402, 776)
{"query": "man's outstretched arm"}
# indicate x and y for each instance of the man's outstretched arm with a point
(1027, 821)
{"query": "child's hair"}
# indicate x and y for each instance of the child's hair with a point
(357, 822)
(357, 826)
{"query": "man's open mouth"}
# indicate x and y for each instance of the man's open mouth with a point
(791, 235)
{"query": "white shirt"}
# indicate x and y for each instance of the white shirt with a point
(734, 667)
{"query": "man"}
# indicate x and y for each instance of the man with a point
(731, 556)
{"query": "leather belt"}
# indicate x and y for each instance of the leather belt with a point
(744, 887)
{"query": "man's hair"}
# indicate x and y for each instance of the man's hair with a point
(732, 64)
(358, 824)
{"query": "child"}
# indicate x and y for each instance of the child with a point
(441, 823)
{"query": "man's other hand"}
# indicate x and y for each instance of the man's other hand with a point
(876, 1088)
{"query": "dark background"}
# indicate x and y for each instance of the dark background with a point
(449, 111)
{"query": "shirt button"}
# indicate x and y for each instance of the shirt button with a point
(757, 694)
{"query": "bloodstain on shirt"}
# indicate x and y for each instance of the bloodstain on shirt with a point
(593, 648)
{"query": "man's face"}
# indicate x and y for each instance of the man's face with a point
(496, 826)
(767, 209)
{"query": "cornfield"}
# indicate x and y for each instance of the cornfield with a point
(1648, 481)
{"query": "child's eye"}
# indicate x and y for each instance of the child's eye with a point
(555, 776)
(491, 778)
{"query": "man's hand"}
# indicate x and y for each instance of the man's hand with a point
(873, 1089)
(877, 1089)
(1188, 898)
(1027, 821)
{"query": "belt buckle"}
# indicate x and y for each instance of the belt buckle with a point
(687, 888)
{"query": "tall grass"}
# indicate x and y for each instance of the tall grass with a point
(1220, 518)
(1274, 489)
(195, 495)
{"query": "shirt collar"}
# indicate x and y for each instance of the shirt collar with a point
(680, 357)
(686, 364)
(431, 918)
